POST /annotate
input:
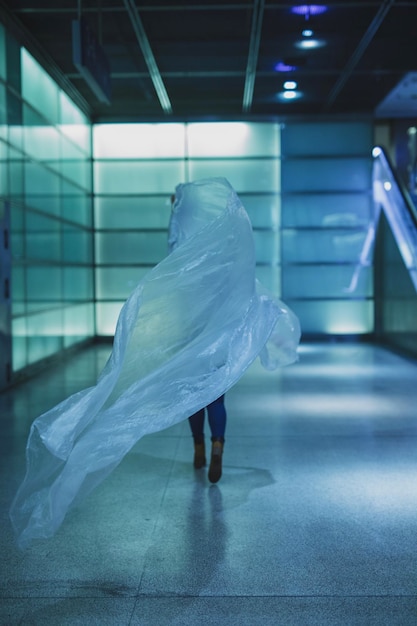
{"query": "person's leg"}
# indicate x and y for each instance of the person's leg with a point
(217, 421)
(196, 422)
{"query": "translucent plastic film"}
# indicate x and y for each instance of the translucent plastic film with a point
(186, 334)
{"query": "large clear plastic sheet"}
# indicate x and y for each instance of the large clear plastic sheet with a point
(186, 334)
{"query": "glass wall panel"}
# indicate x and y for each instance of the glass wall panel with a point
(327, 281)
(321, 246)
(43, 283)
(2, 52)
(132, 196)
(74, 124)
(15, 165)
(45, 331)
(131, 247)
(40, 141)
(14, 120)
(270, 277)
(264, 210)
(40, 181)
(322, 188)
(338, 174)
(78, 283)
(138, 141)
(76, 204)
(106, 317)
(334, 317)
(4, 182)
(117, 283)
(78, 322)
(76, 245)
(111, 177)
(328, 138)
(130, 212)
(3, 113)
(329, 210)
(75, 165)
(38, 89)
(43, 237)
(233, 139)
(245, 175)
(19, 343)
(18, 282)
(46, 175)
(267, 246)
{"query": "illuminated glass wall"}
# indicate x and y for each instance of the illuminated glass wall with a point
(327, 209)
(306, 187)
(136, 169)
(46, 179)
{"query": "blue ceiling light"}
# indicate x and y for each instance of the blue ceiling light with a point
(309, 9)
(281, 66)
(307, 32)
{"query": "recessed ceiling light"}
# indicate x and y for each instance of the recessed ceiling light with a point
(289, 94)
(307, 32)
(290, 84)
(310, 44)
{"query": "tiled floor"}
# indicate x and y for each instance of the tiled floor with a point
(313, 522)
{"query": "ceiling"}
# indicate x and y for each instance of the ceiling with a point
(179, 60)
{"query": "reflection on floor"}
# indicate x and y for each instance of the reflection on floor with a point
(313, 522)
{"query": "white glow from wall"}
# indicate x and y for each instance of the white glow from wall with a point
(137, 141)
(218, 138)
(38, 88)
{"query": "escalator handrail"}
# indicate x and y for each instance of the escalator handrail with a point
(400, 184)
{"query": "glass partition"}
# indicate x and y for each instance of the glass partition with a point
(46, 178)
(136, 169)
(395, 233)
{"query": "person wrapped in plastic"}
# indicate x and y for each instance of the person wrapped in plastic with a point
(216, 410)
(186, 334)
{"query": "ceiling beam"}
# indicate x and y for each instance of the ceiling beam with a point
(359, 51)
(26, 38)
(255, 38)
(144, 45)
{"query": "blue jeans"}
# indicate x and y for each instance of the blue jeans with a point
(217, 421)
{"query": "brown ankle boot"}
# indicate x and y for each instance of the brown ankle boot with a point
(199, 455)
(215, 469)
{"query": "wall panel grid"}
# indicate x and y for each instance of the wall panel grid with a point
(136, 169)
(46, 179)
(327, 219)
